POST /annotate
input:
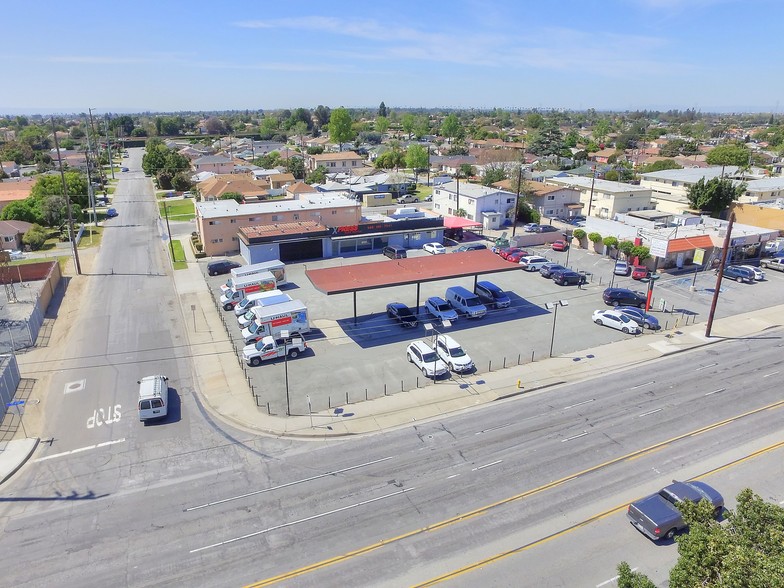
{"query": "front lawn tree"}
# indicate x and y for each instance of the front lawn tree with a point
(723, 155)
(340, 129)
(451, 127)
(715, 195)
(418, 159)
(407, 123)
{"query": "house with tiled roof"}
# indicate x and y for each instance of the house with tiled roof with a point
(603, 155)
(281, 180)
(10, 168)
(342, 161)
(251, 189)
(11, 233)
(14, 189)
(554, 201)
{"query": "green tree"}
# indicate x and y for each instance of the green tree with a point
(641, 252)
(268, 161)
(51, 185)
(714, 195)
(594, 237)
(317, 176)
(451, 127)
(22, 210)
(629, 579)
(122, 125)
(418, 159)
(382, 111)
(549, 140)
(391, 159)
(37, 137)
(407, 123)
(268, 127)
(533, 120)
(382, 124)
(340, 130)
(466, 171)
(296, 167)
(660, 165)
(626, 247)
(421, 127)
(182, 181)
(35, 237)
(493, 173)
(54, 210)
(322, 114)
(236, 196)
(730, 154)
(601, 129)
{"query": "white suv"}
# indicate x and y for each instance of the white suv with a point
(422, 355)
(533, 263)
(453, 354)
(440, 309)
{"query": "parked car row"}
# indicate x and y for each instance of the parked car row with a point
(447, 355)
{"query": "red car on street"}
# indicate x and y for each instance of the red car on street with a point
(515, 257)
(639, 272)
(560, 245)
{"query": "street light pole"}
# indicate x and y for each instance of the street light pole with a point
(590, 199)
(554, 307)
(285, 334)
(517, 196)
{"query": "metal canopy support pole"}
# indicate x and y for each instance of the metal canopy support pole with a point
(355, 307)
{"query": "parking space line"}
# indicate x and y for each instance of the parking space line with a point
(79, 450)
(613, 579)
(583, 434)
(650, 412)
(487, 465)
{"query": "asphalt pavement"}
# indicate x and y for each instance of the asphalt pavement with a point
(224, 388)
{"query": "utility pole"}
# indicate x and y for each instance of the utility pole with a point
(457, 177)
(67, 202)
(590, 199)
(720, 275)
(517, 197)
(96, 150)
(168, 229)
(108, 144)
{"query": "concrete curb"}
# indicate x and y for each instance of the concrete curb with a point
(14, 455)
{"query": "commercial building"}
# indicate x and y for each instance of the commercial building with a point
(604, 198)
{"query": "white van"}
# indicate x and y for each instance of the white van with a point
(465, 301)
(153, 398)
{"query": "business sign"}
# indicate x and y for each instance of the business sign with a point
(699, 256)
(659, 247)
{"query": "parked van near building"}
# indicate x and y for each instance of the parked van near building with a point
(394, 252)
(153, 398)
(465, 301)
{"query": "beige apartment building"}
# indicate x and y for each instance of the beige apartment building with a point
(334, 163)
(605, 199)
(219, 221)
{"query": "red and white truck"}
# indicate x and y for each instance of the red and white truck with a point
(241, 287)
(276, 267)
(272, 320)
(271, 348)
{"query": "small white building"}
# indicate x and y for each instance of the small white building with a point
(487, 205)
(605, 199)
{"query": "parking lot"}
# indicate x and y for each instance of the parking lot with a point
(349, 361)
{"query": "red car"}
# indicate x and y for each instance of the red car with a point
(639, 272)
(560, 245)
(507, 251)
(515, 257)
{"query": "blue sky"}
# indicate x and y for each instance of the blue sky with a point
(170, 55)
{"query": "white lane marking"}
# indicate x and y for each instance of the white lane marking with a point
(287, 484)
(715, 391)
(452, 476)
(649, 412)
(64, 453)
(306, 519)
(493, 428)
(583, 434)
(76, 386)
(641, 385)
(705, 367)
(770, 374)
(579, 403)
(487, 465)
(613, 579)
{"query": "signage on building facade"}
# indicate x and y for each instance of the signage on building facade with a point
(659, 247)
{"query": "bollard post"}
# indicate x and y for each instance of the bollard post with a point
(385, 386)
(519, 355)
(490, 365)
(532, 356)
(504, 363)
(347, 397)
(268, 409)
(329, 401)
(366, 396)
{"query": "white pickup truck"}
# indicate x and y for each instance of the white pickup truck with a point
(774, 263)
(269, 348)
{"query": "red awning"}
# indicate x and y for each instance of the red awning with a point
(458, 222)
(689, 243)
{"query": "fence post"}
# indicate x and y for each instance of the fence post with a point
(347, 397)
(490, 365)
(504, 363)
(532, 356)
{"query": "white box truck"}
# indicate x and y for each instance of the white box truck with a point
(241, 287)
(265, 299)
(276, 267)
(252, 299)
(289, 316)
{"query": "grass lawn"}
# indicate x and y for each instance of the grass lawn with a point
(179, 254)
(178, 210)
(423, 192)
(91, 237)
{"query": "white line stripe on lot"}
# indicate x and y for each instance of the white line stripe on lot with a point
(715, 391)
(580, 403)
(583, 434)
(64, 453)
(705, 367)
(770, 374)
(306, 519)
(650, 412)
(487, 465)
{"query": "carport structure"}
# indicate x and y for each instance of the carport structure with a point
(400, 272)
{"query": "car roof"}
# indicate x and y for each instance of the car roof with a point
(421, 345)
(397, 305)
(436, 299)
(448, 341)
(488, 285)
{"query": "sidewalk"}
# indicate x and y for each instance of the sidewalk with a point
(224, 390)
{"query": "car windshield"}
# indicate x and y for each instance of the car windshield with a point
(456, 351)
(248, 315)
(229, 283)
(473, 302)
(429, 357)
(254, 326)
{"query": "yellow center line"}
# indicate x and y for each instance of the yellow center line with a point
(504, 554)
(484, 509)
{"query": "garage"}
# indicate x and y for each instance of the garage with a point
(300, 250)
